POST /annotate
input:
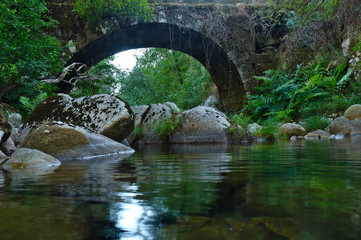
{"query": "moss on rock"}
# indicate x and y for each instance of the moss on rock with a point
(54, 139)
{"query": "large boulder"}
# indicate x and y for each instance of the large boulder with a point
(103, 114)
(353, 112)
(30, 159)
(68, 143)
(201, 125)
(341, 125)
(151, 120)
(292, 129)
(15, 121)
(5, 127)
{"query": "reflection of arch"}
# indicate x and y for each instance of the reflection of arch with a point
(224, 73)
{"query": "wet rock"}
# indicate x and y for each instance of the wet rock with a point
(317, 135)
(201, 125)
(5, 127)
(291, 129)
(68, 143)
(341, 125)
(353, 112)
(30, 159)
(103, 114)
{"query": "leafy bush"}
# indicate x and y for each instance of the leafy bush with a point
(165, 128)
(286, 96)
(316, 122)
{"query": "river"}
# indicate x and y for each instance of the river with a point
(278, 190)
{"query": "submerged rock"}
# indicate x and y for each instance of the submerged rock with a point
(201, 125)
(318, 134)
(30, 159)
(353, 112)
(291, 129)
(104, 114)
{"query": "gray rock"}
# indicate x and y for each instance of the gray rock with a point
(2, 157)
(15, 120)
(353, 112)
(99, 146)
(201, 125)
(103, 114)
(356, 130)
(81, 144)
(291, 129)
(8, 146)
(173, 107)
(5, 127)
(254, 129)
(157, 114)
(138, 112)
(317, 135)
(30, 159)
(341, 125)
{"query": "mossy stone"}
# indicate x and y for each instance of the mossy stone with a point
(54, 139)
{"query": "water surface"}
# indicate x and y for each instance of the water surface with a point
(280, 190)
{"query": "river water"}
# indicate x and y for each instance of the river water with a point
(279, 190)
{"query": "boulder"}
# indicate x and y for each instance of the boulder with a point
(356, 130)
(139, 112)
(5, 127)
(151, 121)
(201, 125)
(15, 121)
(341, 125)
(254, 129)
(291, 129)
(353, 112)
(2, 157)
(173, 107)
(30, 159)
(103, 114)
(68, 143)
(318, 134)
(8, 146)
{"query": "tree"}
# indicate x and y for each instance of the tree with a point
(26, 51)
(95, 11)
(103, 78)
(162, 75)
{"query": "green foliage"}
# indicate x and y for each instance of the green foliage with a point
(165, 128)
(30, 104)
(316, 122)
(162, 75)
(106, 80)
(285, 95)
(306, 11)
(95, 11)
(26, 51)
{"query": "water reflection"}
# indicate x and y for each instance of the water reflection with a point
(282, 190)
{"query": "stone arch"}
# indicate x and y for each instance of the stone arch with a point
(163, 35)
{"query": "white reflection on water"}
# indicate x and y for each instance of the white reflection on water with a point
(131, 216)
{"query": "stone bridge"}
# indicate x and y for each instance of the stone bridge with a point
(223, 37)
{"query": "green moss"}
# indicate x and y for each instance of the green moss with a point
(54, 139)
(18, 165)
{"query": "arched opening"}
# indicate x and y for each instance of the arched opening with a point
(161, 35)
